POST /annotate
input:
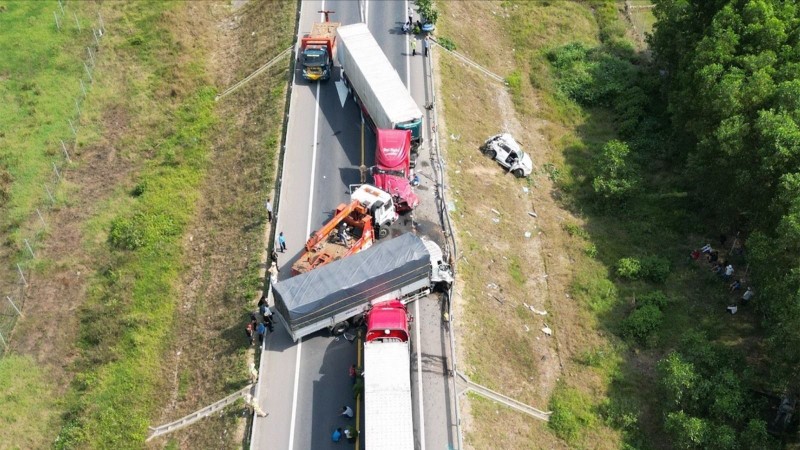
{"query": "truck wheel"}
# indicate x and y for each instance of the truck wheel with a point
(518, 173)
(383, 232)
(340, 328)
(492, 154)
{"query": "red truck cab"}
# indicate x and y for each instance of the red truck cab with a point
(392, 170)
(387, 321)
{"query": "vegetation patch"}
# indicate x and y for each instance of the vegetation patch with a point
(26, 411)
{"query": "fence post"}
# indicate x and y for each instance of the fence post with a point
(28, 244)
(15, 306)
(83, 87)
(77, 22)
(55, 15)
(3, 340)
(55, 169)
(22, 275)
(66, 154)
(74, 131)
(49, 194)
(39, 213)
(88, 72)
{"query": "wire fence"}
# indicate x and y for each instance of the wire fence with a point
(20, 276)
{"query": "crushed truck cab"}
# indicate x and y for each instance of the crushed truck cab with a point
(392, 170)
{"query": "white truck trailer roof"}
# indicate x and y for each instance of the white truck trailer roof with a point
(374, 77)
(388, 418)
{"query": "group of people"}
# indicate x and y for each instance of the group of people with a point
(724, 270)
(259, 328)
(349, 432)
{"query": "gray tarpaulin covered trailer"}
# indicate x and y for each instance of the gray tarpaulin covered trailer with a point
(338, 291)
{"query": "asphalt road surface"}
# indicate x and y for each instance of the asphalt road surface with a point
(303, 385)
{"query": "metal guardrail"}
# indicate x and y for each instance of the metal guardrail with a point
(502, 399)
(200, 414)
(255, 73)
(472, 64)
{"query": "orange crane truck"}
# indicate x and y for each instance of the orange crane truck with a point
(352, 228)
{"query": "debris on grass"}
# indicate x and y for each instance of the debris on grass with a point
(532, 214)
(546, 330)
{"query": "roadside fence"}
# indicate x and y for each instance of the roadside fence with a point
(69, 17)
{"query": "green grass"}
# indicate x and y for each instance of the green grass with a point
(26, 407)
(130, 307)
(40, 68)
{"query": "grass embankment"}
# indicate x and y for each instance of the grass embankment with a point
(158, 77)
(40, 68)
(209, 356)
(575, 84)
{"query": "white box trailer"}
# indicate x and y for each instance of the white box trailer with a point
(404, 268)
(388, 420)
(375, 84)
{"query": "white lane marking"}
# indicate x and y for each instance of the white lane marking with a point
(308, 232)
(366, 10)
(419, 378)
(408, 57)
(294, 395)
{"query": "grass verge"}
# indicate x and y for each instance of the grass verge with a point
(128, 314)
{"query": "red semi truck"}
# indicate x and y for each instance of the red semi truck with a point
(392, 170)
(388, 415)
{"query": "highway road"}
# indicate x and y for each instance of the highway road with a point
(303, 385)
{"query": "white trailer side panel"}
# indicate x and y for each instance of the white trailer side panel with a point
(373, 77)
(388, 418)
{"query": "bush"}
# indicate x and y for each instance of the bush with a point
(629, 268)
(125, 235)
(655, 298)
(655, 269)
(572, 413)
(447, 43)
(641, 323)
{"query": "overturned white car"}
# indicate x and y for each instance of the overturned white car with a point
(505, 150)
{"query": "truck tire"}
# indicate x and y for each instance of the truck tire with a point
(518, 173)
(491, 154)
(383, 232)
(340, 328)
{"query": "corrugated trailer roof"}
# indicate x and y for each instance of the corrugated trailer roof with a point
(361, 46)
(388, 418)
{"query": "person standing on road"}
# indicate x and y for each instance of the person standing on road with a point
(410, 17)
(347, 412)
(413, 46)
(261, 330)
(269, 210)
(337, 435)
(281, 242)
(426, 44)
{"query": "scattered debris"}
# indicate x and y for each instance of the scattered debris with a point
(732, 309)
(492, 286)
(495, 220)
(526, 328)
(499, 300)
(532, 214)
(494, 211)
(455, 137)
(527, 234)
(536, 311)
(451, 206)
(546, 330)
(525, 189)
